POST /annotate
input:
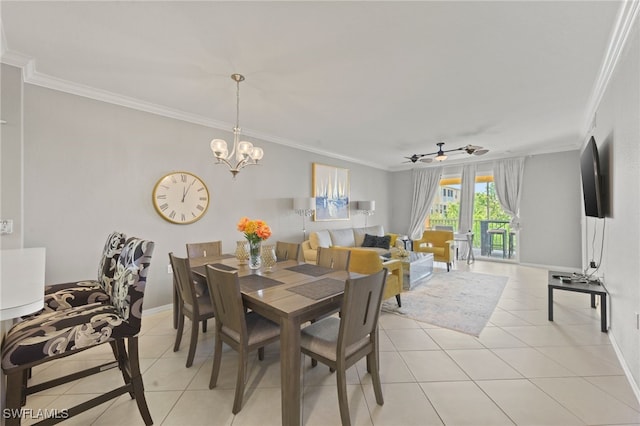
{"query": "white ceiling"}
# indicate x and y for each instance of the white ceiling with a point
(366, 81)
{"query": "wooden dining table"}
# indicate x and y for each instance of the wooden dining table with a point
(290, 294)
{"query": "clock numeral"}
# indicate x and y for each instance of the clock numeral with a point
(172, 215)
(161, 196)
(199, 207)
(183, 217)
(201, 189)
(193, 214)
(183, 178)
(173, 179)
(203, 198)
(164, 206)
(165, 186)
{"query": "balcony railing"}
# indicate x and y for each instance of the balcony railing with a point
(483, 243)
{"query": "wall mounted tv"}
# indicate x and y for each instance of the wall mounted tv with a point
(592, 185)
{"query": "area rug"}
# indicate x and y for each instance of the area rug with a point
(461, 301)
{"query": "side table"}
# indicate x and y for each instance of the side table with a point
(593, 289)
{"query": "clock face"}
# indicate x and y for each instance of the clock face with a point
(181, 197)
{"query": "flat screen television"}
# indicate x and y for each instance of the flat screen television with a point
(592, 180)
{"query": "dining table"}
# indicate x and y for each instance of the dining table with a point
(290, 294)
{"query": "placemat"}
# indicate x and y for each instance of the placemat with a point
(309, 269)
(223, 267)
(257, 282)
(320, 289)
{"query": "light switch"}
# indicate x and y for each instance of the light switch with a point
(6, 227)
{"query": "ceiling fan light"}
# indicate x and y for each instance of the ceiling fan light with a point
(440, 157)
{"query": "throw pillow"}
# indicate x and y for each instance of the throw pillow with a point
(369, 240)
(383, 242)
(394, 238)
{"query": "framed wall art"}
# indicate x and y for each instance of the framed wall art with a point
(331, 190)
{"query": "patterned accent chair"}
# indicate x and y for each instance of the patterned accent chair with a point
(57, 334)
(67, 295)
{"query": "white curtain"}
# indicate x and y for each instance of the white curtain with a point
(507, 175)
(467, 195)
(425, 184)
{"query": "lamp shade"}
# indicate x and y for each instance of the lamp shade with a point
(304, 203)
(367, 205)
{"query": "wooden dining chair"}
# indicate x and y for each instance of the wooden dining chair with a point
(202, 253)
(341, 342)
(243, 332)
(288, 251)
(334, 259)
(196, 308)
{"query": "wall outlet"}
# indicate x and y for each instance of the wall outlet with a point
(169, 269)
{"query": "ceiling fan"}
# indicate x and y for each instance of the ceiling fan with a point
(441, 156)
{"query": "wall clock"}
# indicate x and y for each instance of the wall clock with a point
(180, 197)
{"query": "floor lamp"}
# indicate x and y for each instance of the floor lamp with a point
(367, 208)
(304, 207)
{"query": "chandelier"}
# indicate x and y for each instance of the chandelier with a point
(245, 153)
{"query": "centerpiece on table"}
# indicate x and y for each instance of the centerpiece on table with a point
(255, 231)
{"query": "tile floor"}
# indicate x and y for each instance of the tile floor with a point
(522, 370)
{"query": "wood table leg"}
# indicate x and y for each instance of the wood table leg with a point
(290, 372)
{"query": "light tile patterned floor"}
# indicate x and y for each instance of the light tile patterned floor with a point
(521, 370)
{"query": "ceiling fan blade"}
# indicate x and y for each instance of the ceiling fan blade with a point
(426, 159)
(480, 151)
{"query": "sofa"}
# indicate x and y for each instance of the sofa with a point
(377, 241)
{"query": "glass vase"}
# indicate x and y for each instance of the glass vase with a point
(268, 254)
(254, 254)
(242, 252)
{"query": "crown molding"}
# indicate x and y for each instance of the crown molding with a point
(32, 76)
(627, 17)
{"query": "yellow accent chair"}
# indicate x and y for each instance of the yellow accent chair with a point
(438, 243)
(368, 262)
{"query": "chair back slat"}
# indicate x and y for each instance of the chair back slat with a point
(334, 259)
(203, 253)
(287, 251)
(183, 281)
(130, 280)
(224, 288)
(110, 253)
(360, 308)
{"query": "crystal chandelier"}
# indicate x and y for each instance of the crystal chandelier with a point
(245, 153)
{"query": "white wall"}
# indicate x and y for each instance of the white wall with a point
(90, 168)
(11, 154)
(550, 211)
(617, 135)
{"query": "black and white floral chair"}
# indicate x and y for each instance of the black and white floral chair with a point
(52, 335)
(67, 295)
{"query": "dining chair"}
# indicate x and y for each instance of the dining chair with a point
(243, 332)
(63, 333)
(341, 342)
(202, 253)
(334, 259)
(196, 308)
(288, 251)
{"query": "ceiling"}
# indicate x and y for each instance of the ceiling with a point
(369, 82)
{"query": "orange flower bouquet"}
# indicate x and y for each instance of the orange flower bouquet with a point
(254, 230)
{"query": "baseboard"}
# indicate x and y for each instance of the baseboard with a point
(625, 368)
(157, 309)
(552, 267)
